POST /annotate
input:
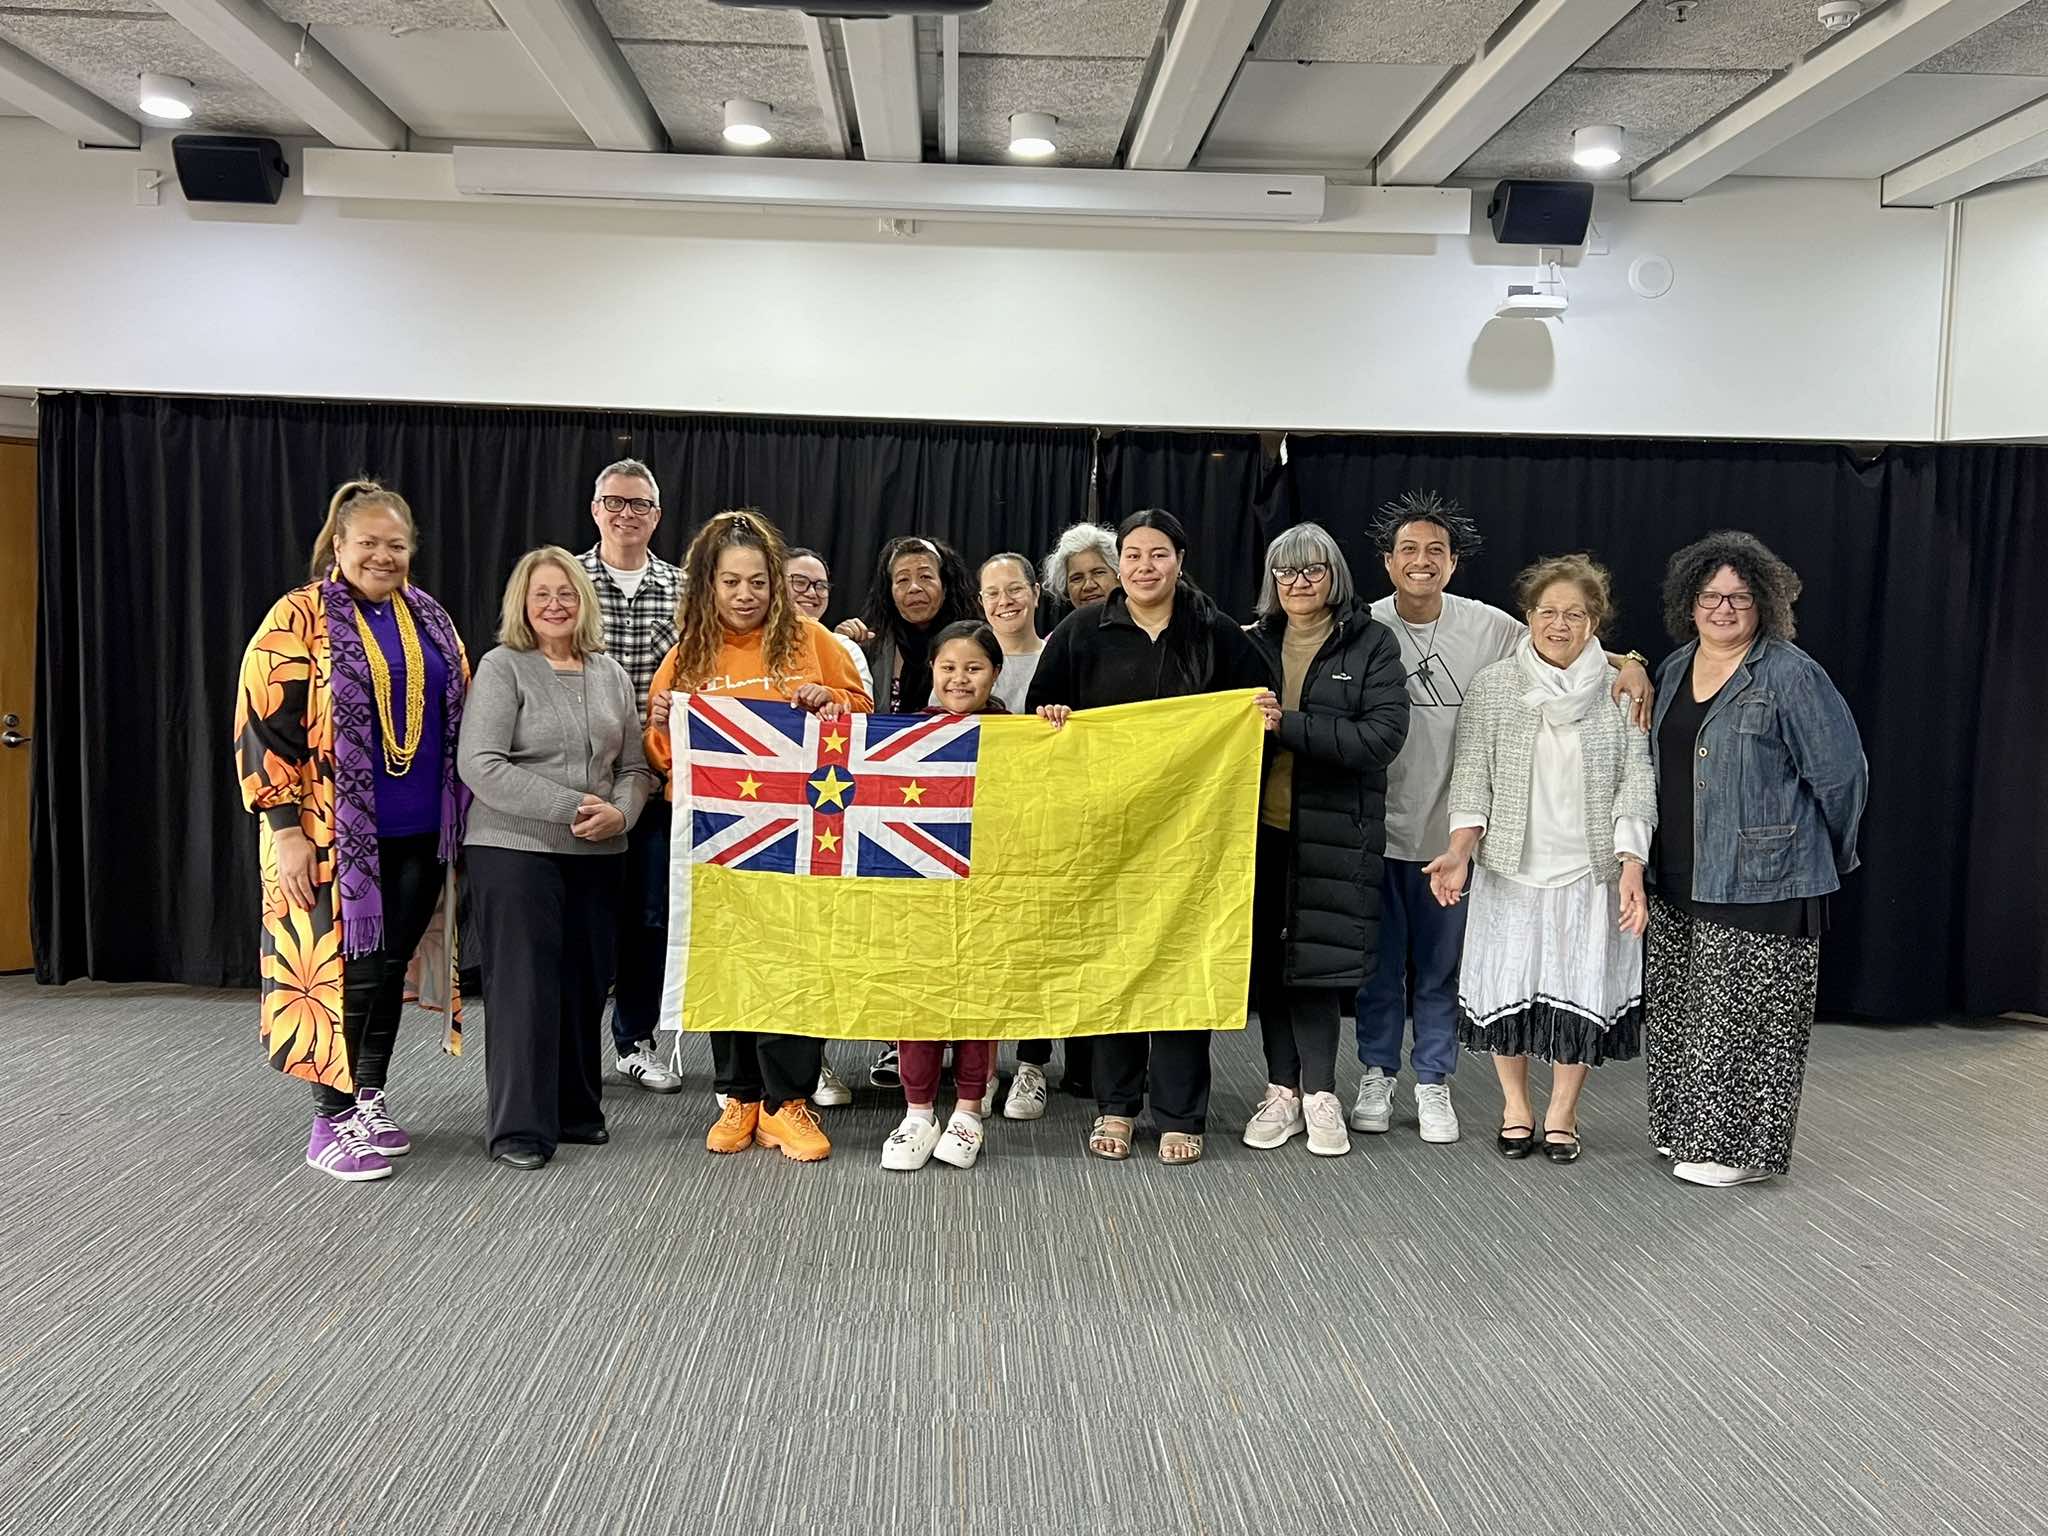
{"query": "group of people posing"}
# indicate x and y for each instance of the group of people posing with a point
(1483, 829)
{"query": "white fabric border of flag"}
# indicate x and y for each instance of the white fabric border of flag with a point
(681, 835)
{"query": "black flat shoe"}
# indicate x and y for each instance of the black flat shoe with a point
(525, 1162)
(596, 1138)
(1561, 1151)
(1516, 1146)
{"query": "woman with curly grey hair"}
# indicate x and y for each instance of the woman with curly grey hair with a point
(1761, 781)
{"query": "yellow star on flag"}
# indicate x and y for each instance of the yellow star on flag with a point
(832, 789)
(749, 788)
(835, 742)
(913, 793)
(828, 842)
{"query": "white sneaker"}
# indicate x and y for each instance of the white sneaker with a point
(1324, 1113)
(1374, 1110)
(643, 1069)
(909, 1146)
(1718, 1175)
(987, 1106)
(1277, 1119)
(1433, 1109)
(883, 1072)
(830, 1092)
(961, 1144)
(1027, 1096)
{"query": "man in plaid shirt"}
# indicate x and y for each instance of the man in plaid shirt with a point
(637, 592)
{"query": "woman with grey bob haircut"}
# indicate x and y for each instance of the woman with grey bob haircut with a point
(1322, 827)
(1081, 568)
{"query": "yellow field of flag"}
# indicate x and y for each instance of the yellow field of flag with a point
(969, 877)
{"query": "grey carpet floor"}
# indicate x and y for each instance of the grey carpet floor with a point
(202, 1335)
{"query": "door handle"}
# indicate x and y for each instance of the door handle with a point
(10, 737)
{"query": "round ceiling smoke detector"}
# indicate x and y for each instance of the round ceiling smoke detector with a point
(1680, 9)
(1840, 15)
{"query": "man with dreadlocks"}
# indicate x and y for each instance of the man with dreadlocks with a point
(1444, 641)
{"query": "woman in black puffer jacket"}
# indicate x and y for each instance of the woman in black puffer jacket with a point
(1322, 827)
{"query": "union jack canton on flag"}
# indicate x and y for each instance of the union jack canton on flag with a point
(773, 788)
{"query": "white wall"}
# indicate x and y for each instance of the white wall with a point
(1999, 330)
(1800, 310)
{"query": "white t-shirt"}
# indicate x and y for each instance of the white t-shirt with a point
(1439, 659)
(860, 663)
(628, 581)
(1014, 681)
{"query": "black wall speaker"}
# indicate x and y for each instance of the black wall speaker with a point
(219, 168)
(1541, 212)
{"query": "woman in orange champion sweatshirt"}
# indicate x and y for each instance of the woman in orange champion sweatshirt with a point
(738, 633)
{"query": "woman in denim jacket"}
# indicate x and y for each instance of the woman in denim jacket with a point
(1760, 782)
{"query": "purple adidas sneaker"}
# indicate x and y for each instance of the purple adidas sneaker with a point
(383, 1131)
(341, 1149)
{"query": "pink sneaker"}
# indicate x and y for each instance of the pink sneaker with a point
(382, 1130)
(341, 1149)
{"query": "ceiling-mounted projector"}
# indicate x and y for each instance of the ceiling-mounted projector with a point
(860, 10)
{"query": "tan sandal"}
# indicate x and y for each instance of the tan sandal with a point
(1180, 1147)
(1110, 1137)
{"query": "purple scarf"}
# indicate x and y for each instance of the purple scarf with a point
(355, 758)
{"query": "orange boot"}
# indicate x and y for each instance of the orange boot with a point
(794, 1128)
(735, 1129)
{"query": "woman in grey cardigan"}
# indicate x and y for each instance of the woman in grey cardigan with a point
(1553, 786)
(551, 750)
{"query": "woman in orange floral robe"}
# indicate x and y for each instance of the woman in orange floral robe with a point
(348, 760)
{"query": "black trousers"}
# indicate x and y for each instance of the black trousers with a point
(544, 923)
(1301, 1024)
(768, 1069)
(410, 875)
(641, 958)
(1080, 1073)
(1174, 1063)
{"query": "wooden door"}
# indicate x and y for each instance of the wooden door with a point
(17, 693)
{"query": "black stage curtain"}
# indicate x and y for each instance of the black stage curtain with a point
(168, 526)
(1214, 482)
(1926, 598)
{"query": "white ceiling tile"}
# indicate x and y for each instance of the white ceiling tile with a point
(1281, 113)
(1091, 98)
(2015, 44)
(698, 21)
(1075, 29)
(392, 15)
(133, 9)
(1655, 108)
(689, 84)
(2025, 172)
(1382, 31)
(105, 54)
(1716, 34)
(456, 85)
(1899, 121)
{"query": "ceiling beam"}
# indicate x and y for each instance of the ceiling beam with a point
(1202, 57)
(825, 81)
(881, 62)
(572, 47)
(2012, 143)
(949, 88)
(293, 69)
(66, 106)
(1879, 48)
(1510, 71)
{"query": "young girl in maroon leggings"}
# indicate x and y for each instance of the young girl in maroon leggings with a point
(966, 659)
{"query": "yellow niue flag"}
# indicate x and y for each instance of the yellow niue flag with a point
(962, 877)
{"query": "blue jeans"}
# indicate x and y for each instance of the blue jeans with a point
(1415, 934)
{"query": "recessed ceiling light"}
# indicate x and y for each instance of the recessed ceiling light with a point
(1031, 135)
(165, 96)
(746, 122)
(1596, 147)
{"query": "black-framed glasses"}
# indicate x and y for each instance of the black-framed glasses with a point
(639, 506)
(1738, 602)
(804, 586)
(1287, 575)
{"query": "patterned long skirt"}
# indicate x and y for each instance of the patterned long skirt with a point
(1729, 1015)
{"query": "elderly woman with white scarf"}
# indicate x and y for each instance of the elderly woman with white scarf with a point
(1554, 788)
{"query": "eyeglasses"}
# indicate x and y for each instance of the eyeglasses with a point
(804, 586)
(1288, 575)
(1576, 617)
(639, 506)
(1738, 602)
(1016, 592)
